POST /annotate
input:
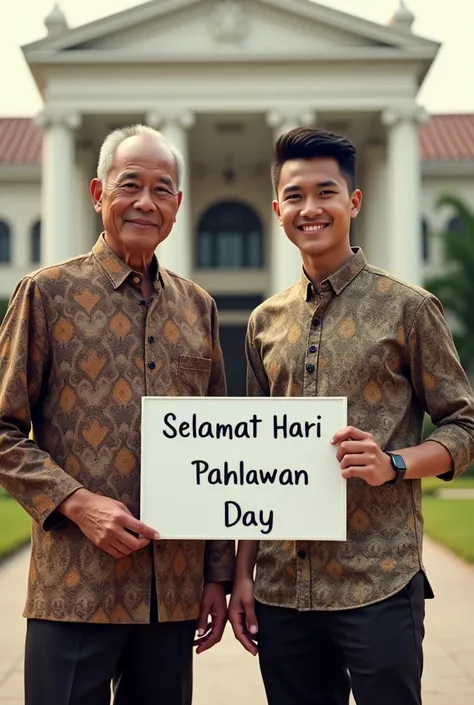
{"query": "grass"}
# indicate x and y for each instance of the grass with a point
(15, 526)
(451, 523)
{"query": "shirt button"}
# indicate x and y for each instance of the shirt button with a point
(151, 365)
(312, 349)
(142, 302)
(310, 368)
(151, 339)
(316, 322)
(301, 554)
(136, 280)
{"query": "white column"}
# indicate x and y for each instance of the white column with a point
(285, 258)
(58, 231)
(87, 227)
(374, 206)
(176, 252)
(403, 239)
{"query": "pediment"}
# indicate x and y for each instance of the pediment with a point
(205, 28)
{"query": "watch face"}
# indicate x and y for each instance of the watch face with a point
(398, 462)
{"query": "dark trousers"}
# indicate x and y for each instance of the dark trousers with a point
(314, 658)
(75, 664)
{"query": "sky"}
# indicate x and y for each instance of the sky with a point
(448, 87)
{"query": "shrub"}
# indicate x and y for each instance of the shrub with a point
(3, 308)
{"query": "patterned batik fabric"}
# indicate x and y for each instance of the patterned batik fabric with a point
(384, 345)
(79, 348)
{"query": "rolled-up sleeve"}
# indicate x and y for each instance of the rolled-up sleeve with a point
(28, 474)
(441, 385)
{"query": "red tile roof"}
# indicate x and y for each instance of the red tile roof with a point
(448, 137)
(20, 141)
(444, 137)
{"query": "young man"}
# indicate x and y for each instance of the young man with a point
(328, 616)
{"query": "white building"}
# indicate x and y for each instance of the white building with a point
(222, 79)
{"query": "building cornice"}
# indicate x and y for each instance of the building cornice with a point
(328, 55)
(448, 168)
(20, 172)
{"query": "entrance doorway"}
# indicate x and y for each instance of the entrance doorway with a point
(233, 350)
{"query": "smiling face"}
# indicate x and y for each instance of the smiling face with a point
(315, 206)
(140, 199)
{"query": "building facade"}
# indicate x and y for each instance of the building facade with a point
(222, 79)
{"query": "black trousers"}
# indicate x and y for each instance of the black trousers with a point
(315, 658)
(74, 664)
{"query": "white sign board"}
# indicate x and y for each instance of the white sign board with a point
(243, 468)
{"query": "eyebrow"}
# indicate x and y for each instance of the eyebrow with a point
(135, 176)
(292, 188)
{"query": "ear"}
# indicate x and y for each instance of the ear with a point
(96, 191)
(179, 198)
(356, 203)
(276, 210)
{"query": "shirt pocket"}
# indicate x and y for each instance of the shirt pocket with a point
(193, 375)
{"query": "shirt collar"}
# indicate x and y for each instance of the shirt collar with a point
(340, 279)
(116, 270)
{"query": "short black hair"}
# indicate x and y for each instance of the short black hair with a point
(313, 143)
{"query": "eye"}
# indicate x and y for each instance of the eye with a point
(292, 197)
(327, 193)
(130, 185)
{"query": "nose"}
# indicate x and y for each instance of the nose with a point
(144, 201)
(311, 208)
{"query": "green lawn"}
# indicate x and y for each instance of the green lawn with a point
(451, 522)
(14, 526)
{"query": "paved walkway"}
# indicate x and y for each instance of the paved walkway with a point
(229, 676)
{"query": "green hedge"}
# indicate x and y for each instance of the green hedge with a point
(3, 308)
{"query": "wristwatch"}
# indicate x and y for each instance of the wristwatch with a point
(398, 464)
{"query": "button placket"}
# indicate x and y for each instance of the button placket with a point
(303, 576)
(311, 356)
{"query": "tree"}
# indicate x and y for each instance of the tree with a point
(455, 288)
(3, 309)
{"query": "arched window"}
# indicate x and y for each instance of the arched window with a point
(456, 226)
(5, 243)
(230, 236)
(425, 240)
(35, 243)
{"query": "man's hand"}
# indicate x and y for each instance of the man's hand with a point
(213, 605)
(107, 523)
(360, 456)
(242, 615)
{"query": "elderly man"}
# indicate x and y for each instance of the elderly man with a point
(81, 344)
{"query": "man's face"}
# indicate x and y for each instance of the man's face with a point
(140, 198)
(315, 206)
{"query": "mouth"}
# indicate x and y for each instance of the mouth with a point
(313, 227)
(142, 223)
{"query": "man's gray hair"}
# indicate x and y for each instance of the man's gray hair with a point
(115, 139)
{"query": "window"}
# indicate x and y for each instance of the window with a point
(230, 236)
(5, 243)
(456, 226)
(35, 243)
(425, 240)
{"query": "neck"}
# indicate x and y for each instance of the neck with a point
(320, 268)
(137, 261)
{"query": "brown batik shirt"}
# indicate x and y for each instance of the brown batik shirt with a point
(385, 346)
(79, 348)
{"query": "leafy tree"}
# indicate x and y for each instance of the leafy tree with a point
(3, 308)
(455, 287)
